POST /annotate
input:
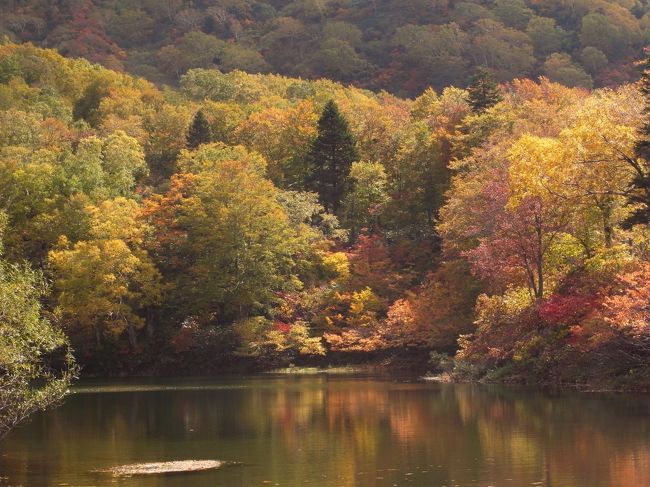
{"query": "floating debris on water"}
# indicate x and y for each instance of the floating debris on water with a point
(164, 467)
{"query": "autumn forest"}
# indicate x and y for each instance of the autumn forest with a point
(243, 185)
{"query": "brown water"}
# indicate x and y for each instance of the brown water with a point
(335, 432)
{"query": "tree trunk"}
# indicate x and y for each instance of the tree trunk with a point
(540, 259)
(150, 327)
(133, 338)
(98, 337)
(608, 229)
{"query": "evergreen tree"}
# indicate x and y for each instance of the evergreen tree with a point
(199, 131)
(639, 194)
(483, 91)
(330, 158)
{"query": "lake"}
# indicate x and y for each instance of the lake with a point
(334, 431)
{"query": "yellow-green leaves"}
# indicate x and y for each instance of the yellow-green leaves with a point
(103, 282)
(535, 168)
(122, 162)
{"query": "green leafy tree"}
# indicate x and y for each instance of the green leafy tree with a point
(87, 106)
(561, 69)
(513, 13)
(330, 158)
(593, 60)
(123, 162)
(199, 131)
(234, 56)
(36, 366)
(368, 195)
(194, 50)
(547, 37)
(483, 91)
(507, 52)
(437, 56)
(9, 68)
(418, 180)
(230, 245)
(82, 170)
(345, 31)
(608, 33)
(337, 59)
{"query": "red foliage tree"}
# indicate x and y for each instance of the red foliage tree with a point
(372, 266)
(83, 35)
(518, 246)
(562, 309)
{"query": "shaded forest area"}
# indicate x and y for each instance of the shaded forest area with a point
(401, 46)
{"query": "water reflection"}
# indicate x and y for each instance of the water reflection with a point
(338, 432)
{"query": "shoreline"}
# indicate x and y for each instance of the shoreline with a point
(373, 369)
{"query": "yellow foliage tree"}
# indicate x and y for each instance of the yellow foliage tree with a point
(102, 284)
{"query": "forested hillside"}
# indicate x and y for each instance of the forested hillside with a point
(250, 217)
(402, 46)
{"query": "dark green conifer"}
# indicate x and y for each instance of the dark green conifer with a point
(639, 194)
(199, 131)
(330, 158)
(483, 91)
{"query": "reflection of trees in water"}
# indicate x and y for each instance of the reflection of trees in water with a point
(573, 437)
(295, 427)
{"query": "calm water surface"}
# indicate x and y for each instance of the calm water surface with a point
(330, 431)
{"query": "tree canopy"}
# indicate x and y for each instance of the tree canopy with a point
(496, 223)
(393, 45)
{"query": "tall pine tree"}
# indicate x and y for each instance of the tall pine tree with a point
(199, 131)
(639, 194)
(330, 158)
(483, 91)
